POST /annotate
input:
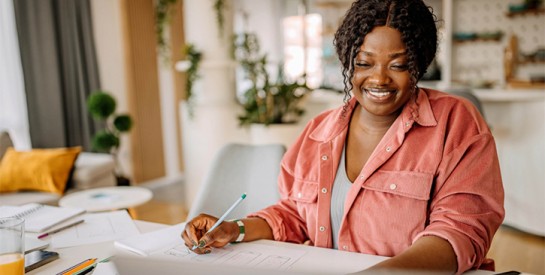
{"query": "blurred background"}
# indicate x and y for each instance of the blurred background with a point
(190, 73)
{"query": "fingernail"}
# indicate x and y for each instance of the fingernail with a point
(201, 243)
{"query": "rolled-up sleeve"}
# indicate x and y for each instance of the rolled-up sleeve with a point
(283, 218)
(467, 207)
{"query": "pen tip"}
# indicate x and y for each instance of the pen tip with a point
(244, 195)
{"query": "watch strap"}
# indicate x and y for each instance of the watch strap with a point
(241, 231)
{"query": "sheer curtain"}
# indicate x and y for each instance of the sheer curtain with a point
(13, 108)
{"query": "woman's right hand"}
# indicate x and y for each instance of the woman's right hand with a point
(195, 233)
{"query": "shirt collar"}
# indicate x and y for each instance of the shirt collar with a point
(418, 109)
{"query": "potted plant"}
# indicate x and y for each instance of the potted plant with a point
(265, 101)
(102, 107)
(271, 108)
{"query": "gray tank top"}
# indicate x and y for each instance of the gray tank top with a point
(341, 185)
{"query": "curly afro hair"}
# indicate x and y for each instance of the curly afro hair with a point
(412, 18)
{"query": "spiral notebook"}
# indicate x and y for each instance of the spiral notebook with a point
(40, 217)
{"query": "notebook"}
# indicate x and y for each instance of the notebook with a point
(33, 244)
(39, 217)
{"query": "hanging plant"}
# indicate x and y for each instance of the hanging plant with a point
(219, 7)
(190, 65)
(163, 14)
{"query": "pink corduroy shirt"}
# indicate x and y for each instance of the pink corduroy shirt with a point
(435, 172)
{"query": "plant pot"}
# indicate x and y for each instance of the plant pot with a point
(275, 133)
(122, 181)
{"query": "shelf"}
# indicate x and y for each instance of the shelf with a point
(463, 37)
(526, 12)
(525, 62)
(456, 41)
(509, 95)
(525, 84)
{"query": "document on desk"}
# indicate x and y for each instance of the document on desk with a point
(241, 255)
(107, 268)
(98, 227)
(152, 242)
(167, 244)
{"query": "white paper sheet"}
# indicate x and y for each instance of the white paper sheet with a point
(107, 268)
(167, 244)
(32, 243)
(151, 242)
(98, 227)
(241, 255)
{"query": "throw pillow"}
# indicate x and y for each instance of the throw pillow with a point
(38, 169)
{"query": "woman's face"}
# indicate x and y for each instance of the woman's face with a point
(381, 80)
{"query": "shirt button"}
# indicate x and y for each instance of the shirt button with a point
(324, 190)
(388, 149)
(299, 195)
(393, 186)
(322, 228)
(345, 247)
(324, 157)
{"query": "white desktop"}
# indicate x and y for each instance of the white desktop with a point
(313, 261)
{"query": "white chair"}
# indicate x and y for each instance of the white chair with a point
(469, 95)
(237, 169)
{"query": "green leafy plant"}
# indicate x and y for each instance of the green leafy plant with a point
(101, 106)
(265, 101)
(219, 7)
(190, 65)
(163, 10)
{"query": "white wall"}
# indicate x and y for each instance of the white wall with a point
(110, 57)
(107, 20)
(168, 112)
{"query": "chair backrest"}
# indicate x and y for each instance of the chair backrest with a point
(236, 169)
(469, 95)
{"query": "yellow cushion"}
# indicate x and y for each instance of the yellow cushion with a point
(38, 169)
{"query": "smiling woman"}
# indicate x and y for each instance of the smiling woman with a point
(416, 169)
(381, 73)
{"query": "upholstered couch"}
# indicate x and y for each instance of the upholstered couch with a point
(91, 170)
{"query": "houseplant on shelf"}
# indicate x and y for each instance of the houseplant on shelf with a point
(102, 107)
(266, 102)
(272, 108)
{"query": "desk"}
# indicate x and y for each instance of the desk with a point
(72, 255)
(107, 198)
(332, 261)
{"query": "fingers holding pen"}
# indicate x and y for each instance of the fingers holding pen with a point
(195, 230)
(198, 239)
(188, 235)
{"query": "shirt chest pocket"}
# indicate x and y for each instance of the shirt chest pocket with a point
(305, 195)
(394, 205)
